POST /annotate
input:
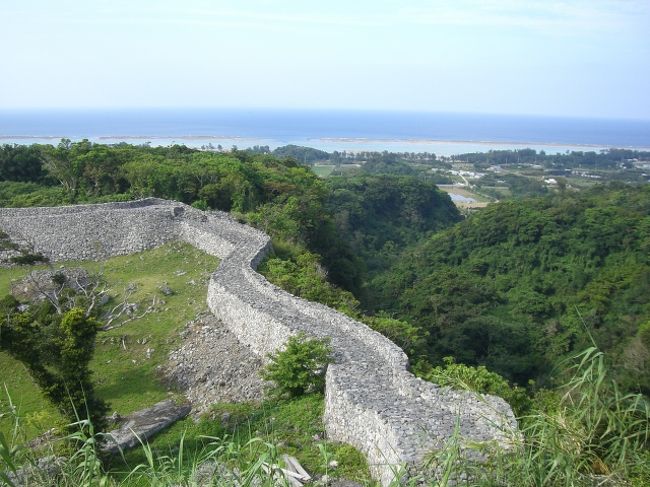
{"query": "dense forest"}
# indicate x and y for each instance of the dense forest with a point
(521, 284)
(610, 158)
(381, 215)
(342, 223)
(586, 159)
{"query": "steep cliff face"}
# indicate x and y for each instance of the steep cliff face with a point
(372, 401)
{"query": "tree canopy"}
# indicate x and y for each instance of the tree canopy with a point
(522, 283)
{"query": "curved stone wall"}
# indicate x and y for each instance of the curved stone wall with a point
(371, 400)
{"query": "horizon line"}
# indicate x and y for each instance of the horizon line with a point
(170, 108)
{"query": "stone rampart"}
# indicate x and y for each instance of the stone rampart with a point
(371, 400)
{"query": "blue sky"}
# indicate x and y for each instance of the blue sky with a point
(569, 58)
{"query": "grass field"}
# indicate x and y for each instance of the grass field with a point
(126, 375)
(502, 191)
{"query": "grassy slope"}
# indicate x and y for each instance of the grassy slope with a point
(294, 426)
(125, 378)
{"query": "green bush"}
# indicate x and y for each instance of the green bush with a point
(583, 433)
(479, 379)
(299, 368)
(304, 276)
(409, 338)
(200, 205)
(28, 259)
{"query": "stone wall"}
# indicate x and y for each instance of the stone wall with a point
(371, 400)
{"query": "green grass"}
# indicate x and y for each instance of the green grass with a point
(129, 381)
(502, 191)
(125, 378)
(294, 426)
(588, 434)
(173, 457)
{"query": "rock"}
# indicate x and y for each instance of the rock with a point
(343, 483)
(165, 289)
(44, 472)
(144, 424)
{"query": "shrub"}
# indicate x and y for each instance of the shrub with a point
(644, 333)
(200, 205)
(304, 276)
(592, 435)
(479, 379)
(409, 338)
(28, 259)
(299, 368)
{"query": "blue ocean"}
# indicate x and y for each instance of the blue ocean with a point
(441, 133)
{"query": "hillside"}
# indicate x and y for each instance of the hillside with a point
(520, 284)
(379, 216)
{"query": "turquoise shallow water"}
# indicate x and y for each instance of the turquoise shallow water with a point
(441, 133)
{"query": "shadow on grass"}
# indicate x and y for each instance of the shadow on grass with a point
(131, 390)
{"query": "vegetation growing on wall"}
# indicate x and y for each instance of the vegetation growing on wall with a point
(300, 367)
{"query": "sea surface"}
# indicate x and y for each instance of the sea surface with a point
(440, 133)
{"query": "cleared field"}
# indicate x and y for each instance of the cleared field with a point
(462, 197)
(503, 191)
(323, 170)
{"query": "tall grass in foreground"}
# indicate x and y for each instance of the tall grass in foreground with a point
(592, 435)
(220, 462)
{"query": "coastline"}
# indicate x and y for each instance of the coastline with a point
(442, 147)
(350, 140)
(441, 133)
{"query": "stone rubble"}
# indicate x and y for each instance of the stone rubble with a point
(213, 366)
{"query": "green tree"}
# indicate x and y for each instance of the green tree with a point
(56, 349)
(61, 164)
